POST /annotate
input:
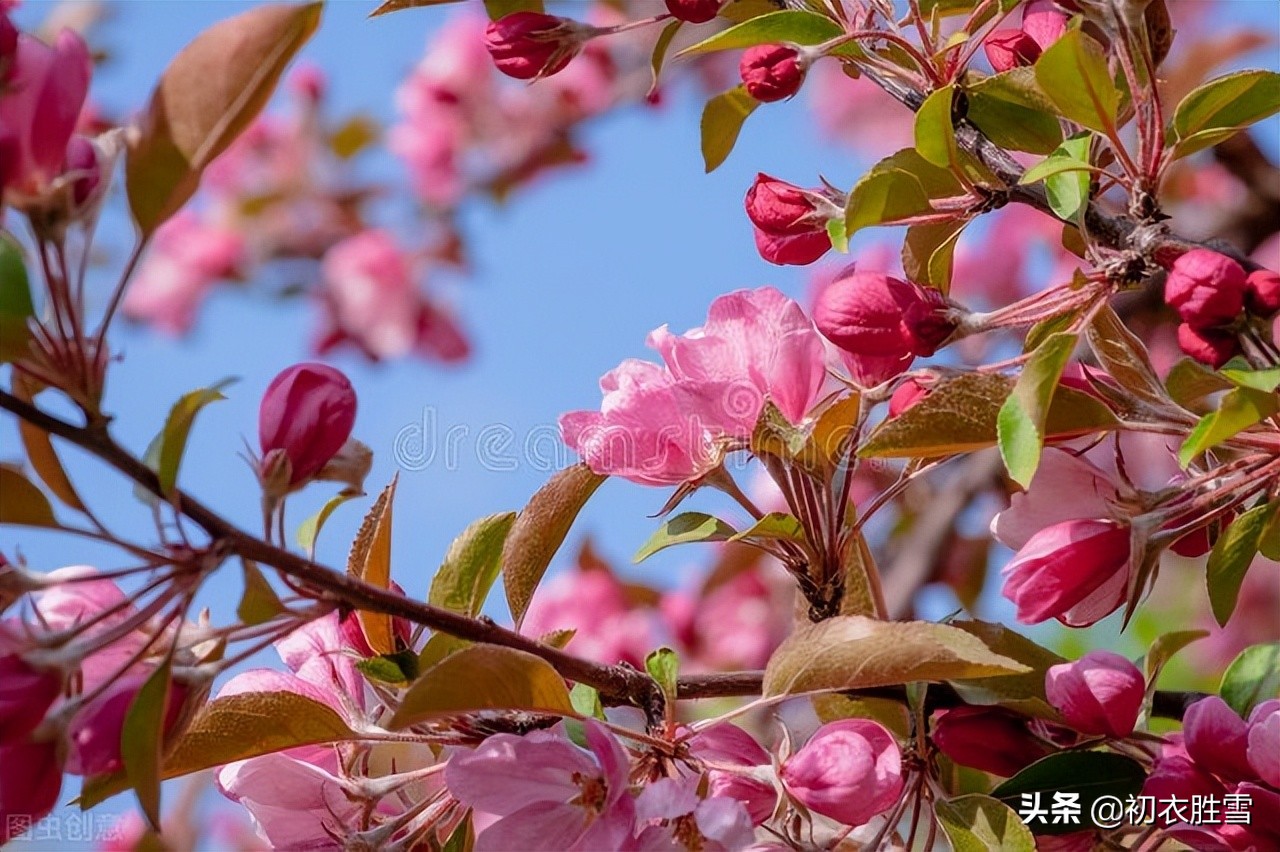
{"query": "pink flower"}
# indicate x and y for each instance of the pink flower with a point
(987, 738)
(39, 103)
(26, 694)
(528, 45)
(678, 818)
(96, 730)
(790, 222)
(694, 11)
(1209, 346)
(550, 794)
(1217, 739)
(1205, 288)
(1262, 292)
(850, 771)
(1008, 49)
(1066, 487)
(906, 395)
(30, 780)
(1044, 22)
(771, 72)
(307, 413)
(1075, 571)
(736, 625)
(188, 256)
(727, 744)
(1263, 750)
(374, 299)
(593, 603)
(663, 426)
(1101, 693)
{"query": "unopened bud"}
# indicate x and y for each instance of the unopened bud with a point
(771, 72)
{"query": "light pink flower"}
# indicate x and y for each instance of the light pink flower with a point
(1217, 739)
(1075, 571)
(664, 426)
(736, 625)
(728, 745)
(608, 626)
(370, 286)
(850, 771)
(1263, 750)
(188, 256)
(1066, 487)
(672, 815)
(549, 793)
(1101, 693)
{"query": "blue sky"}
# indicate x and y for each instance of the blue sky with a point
(569, 277)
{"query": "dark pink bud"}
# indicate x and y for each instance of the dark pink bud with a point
(987, 738)
(1208, 346)
(30, 780)
(907, 394)
(82, 162)
(1068, 571)
(8, 46)
(1205, 288)
(874, 315)
(529, 45)
(353, 634)
(1217, 739)
(1008, 49)
(307, 412)
(1044, 22)
(1099, 694)
(694, 11)
(1194, 544)
(771, 72)
(790, 223)
(1262, 292)
(25, 695)
(95, 731)
(849, 770)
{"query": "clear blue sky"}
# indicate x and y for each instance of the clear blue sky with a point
(569, 278)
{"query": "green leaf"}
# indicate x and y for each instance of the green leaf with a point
(722, 120)
(977, 823)
(1010, 109)
(1066, 176)
(683, 529)
(663, 665)
(928, 253)
(309, 530)
(1091, 774)
(1163, 649)
(207, 96)
(1189, 382)
(472, 563)
(660, 47)
(1221, 107)
(1252, 677)
(789, 25)
(1269, 544)
(1022, 693)
(960, 415)
(539, 530)
(177, 428)
(259, 602)
(775, 525)
(370, 561)
(1263, 380)
(16, 306)
(586, 701)
(1073, 73)
(1020, 424)
(935, 134)
(497, 9)
(21, 503)
(856, 652)
(483, 677)
(1231, 556)
(835, 233)
(236, 727)
(463, 837)
(897, 188)
(1239, 409)
(396, 669)
(141, 741)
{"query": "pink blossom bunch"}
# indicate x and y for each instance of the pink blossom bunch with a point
(1043, 23)
(673, 423)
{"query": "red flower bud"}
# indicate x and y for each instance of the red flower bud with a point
(1074, 571)
(1101, 693)
(987, 738)
(25, 695)
(1205, 288)
(30, 780)
(873, 315)
(790, 224)
(1208, 346)
(694, 11)
(1262, 292)
(96, 730)
(771, 72)
(1008, 49)
(907, 394)
(307, 413)
(530, 45)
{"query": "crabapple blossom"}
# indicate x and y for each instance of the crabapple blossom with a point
(670, 813)
(1101, 693)
(1075, 571)
(549, 793)
(729, 745)
(906, 395)
(1205, 288)
(306, 415)
(1262, 292)
(1217, 739)
(96, 729)
(790, 223)
(988, 738)
(694, 11)
(527, 45)
(593, 603)
(850, 771)
(1008, 49)
(26, 694)
(1263, 749)
(30, 780)
(772, 72)
(1209, 346)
